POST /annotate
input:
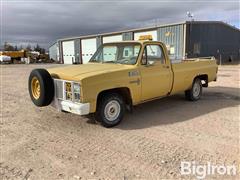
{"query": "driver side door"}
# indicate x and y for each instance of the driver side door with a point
(155, 73)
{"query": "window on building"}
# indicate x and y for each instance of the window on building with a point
(196, 48)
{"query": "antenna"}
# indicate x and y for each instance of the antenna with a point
(190, 15)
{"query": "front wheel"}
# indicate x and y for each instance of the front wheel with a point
(110, 110)
(195, 92)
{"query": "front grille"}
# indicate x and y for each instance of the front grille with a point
(64, 90)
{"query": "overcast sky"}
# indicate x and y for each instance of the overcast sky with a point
(39, 21)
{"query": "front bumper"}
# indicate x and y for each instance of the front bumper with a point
(76, 108)
(63, 104)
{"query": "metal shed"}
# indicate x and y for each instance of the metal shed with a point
(213, 38)
(183, 40)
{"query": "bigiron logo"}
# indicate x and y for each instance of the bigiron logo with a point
(201, 171)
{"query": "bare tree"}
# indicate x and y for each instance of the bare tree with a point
(29, 47)
(39, 49)
(21, 47)
(15, 48)
(8, 47)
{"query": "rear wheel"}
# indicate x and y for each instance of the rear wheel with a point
(195, 92)
(110, 110)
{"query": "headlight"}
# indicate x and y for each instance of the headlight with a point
(76, 91)
(76, 87)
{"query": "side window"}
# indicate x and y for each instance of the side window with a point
(155, 53)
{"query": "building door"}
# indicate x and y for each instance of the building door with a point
(89, 47)
(68, 52)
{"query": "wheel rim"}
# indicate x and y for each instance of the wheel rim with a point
(112, 110)
(196, 89)
(35, 86)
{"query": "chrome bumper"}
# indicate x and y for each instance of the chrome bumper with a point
(76, 108)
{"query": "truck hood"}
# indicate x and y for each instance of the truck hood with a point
(78, 72)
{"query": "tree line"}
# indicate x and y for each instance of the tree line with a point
(9, 47)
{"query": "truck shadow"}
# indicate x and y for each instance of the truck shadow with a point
(176, 109)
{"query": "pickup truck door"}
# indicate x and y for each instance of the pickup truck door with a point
(156, 73)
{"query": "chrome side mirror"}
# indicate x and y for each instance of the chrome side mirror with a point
(150, 63)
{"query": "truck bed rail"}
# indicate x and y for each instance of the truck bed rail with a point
(200, 58)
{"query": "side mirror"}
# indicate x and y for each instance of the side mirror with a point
(150, 63)
(144, 60)
(144, 57)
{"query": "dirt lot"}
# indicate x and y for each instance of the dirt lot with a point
(41, 143)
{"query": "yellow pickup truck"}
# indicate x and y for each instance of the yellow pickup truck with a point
(119, 76)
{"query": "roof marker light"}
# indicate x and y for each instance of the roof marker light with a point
(146, 37)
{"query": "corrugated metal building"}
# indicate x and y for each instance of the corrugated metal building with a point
(186, 39)
(213, 39)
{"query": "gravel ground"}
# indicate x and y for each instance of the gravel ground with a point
(42, 143)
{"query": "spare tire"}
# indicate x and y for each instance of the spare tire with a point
(41, 87)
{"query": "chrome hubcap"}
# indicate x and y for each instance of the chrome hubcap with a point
(196, 89)
(112, 110)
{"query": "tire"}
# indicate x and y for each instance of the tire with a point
(41, 87)
(195, 92)
(110, 110)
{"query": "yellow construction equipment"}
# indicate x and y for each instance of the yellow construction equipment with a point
(14, 54)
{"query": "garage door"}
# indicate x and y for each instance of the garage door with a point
(153, 33)
(115, 38)
(68, 52)
(89, 47)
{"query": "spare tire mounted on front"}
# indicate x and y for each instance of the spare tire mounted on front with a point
(41, 87)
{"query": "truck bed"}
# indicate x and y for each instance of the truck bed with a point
(185, 71)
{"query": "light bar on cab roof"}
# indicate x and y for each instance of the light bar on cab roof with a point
(146, 37)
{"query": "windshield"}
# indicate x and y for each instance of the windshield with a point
(117, 53)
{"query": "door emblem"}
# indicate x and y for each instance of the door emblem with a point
(133, 73)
